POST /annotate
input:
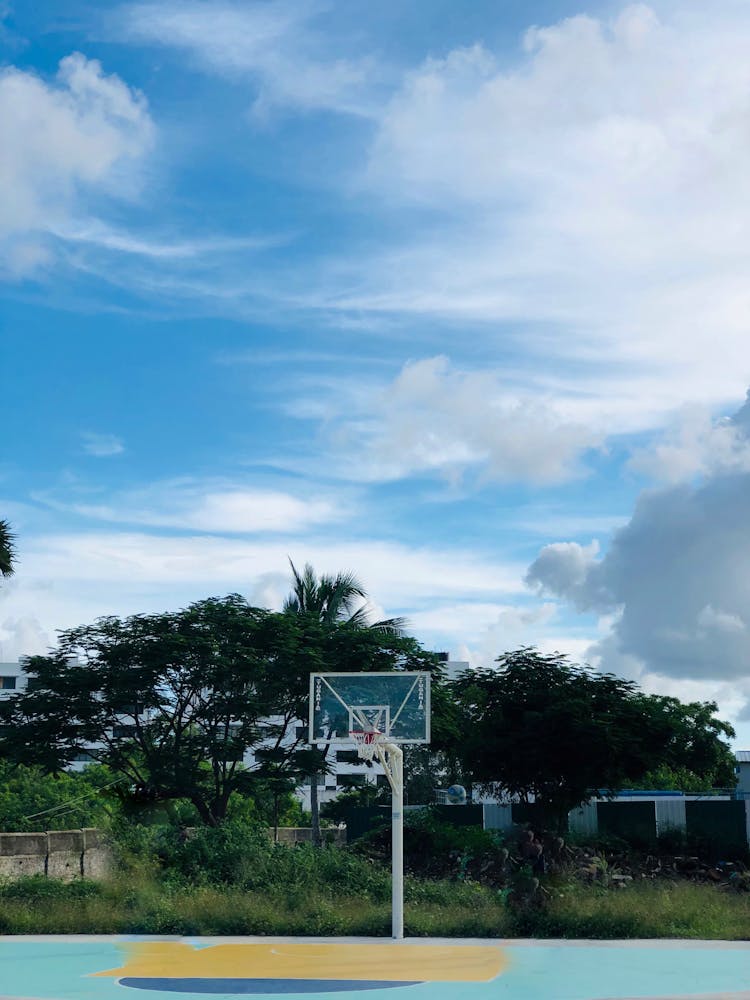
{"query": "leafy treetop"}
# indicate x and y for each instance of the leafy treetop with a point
(537, 725)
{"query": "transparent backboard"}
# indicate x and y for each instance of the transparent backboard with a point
(394, 704)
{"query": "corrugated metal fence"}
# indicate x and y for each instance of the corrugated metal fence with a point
(719, 824)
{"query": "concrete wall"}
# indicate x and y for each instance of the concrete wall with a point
(303, 835)
(71, 854)
(63, 854)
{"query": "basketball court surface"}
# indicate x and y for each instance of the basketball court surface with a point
(126, 968)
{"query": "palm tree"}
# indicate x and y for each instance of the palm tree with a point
(339, 599)
(7, 550)
(335, 599)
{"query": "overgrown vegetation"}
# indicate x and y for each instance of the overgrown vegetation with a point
(233, 880)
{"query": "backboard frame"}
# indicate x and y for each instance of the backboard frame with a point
(419, 688)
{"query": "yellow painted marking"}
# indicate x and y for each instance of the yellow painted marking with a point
(384, 962)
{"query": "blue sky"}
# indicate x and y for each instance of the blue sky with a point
(453, 296)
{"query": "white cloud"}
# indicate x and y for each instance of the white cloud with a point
(293, 61)
(440, 420)
(204, 505)
(698, 445)
(102, 445)
(86, 132)
(589, 198)
(66, 580)
(22, 637)
(95, 233)
(471, 620)
(391, 571)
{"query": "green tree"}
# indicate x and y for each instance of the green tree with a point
(332, 601)
(692, 754)
(539, 726)
(7, 550)
(172, 702)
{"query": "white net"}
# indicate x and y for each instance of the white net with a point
(367, 743)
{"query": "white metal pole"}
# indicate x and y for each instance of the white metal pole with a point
(396, 761)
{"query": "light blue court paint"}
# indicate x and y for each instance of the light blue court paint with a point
(141, 968)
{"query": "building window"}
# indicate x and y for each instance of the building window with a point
(122, 732)
(352, 780)
(133, 710)
(300, 732)
(7, 683)
(381, 781)
(347, 757)
(84, 757)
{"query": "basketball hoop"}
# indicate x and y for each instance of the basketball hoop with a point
(367, 743)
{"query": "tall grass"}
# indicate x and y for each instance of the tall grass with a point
(643, 910)
(139, 903)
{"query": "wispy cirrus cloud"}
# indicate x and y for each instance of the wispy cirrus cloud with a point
(212, 506)
(244, 511)
(281, 47)
(102, 445)
(157, 247)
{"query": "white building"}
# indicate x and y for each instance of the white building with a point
(742, 770)
(12, 679)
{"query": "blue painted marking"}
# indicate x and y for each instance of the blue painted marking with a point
(255, 986)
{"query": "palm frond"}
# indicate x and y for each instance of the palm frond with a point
(391, 626)
(7, 550)
(334, 599)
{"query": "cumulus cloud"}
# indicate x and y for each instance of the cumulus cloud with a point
(83, 132)
(676, 577)
(102, 445)
(566, 569)
(590, 193)
(292, 60)
(436, 419)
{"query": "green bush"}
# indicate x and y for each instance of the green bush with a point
(240, 855)
(436, 849)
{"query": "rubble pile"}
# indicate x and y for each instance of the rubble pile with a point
(620, 869)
